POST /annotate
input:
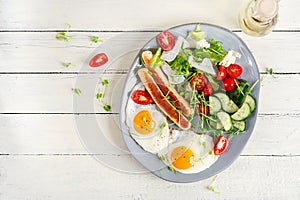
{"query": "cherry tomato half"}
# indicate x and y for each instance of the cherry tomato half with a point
(208, 89)
(229, 84)
(198, 82)
(142, 97)
(202, 109)
(221, 145)
(166, 40)
(98, 60)
(234, 70)
(221, 73)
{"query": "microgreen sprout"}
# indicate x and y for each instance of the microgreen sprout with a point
(64, 35)
(102, 94)
(172, 170)
(69, 64)
(76, 91)
(95, 39)
(211, 187)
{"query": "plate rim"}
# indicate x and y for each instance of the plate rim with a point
(124, 100)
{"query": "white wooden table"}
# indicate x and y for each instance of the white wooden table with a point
(41, 156)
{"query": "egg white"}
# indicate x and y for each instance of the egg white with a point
(201, 145)
(159, 137)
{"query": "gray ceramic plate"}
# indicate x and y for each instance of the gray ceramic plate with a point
(237, 144)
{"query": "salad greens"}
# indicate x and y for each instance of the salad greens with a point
(215, 52)
(236, 102)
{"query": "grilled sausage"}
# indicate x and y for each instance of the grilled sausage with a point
(165, 86)
(161, 101)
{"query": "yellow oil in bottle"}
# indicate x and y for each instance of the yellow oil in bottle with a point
(258, 17)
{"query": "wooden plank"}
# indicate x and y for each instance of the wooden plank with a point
(120, 15)
(58, 134)
(41, 52)
(81, 177)
(43, 93)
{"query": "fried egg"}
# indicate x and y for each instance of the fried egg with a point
(147, 125)
(189, 152)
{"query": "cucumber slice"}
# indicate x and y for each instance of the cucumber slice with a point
(251, 101)
(217, 125)
(227, 104)
(240, 125)
(225, 120)
(242, 113)
(214, 105)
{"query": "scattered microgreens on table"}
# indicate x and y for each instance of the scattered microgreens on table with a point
(76, 91)
(69, 64)
(211, 187)
(95, 39)
(102, 94)
(64, 35)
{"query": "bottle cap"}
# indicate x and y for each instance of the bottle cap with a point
(266, 9)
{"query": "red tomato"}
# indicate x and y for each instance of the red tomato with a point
(166, 40)
(98, 60)
(208, 89)
(142, 97)
(202, 109)
(220, 145)
(229, 84)
(198, 82)
(222, 73)
(234, 70)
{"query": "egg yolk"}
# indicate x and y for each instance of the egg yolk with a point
(182, 157)
(143, 122)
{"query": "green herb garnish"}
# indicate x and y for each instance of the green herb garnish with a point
(77, 91)
(105, 82)
(107, 107)
(95, 39)
(172, 170)
(101, 95)
(69, 64)
(64, 35)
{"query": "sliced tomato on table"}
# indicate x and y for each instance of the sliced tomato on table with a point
(198, 82)
(234, 70)
(98, 60)
(142, 97)
(166, 40)
(221, 145)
